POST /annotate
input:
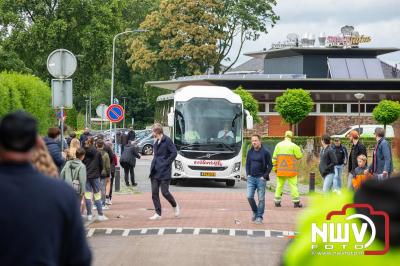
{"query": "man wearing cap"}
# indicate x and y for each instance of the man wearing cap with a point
(40, 220)
(284, 161)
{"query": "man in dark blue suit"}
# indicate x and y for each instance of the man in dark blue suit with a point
(160, 171)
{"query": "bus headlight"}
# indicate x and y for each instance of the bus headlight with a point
(178, 165)
(236, 167)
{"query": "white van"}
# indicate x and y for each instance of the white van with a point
(366, 131)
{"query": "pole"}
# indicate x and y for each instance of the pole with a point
(86, 113)
(102, 117)
(90, 112)
(113, 64)
(62, 126)
(115, 139)
(123, 123)
(359, 117)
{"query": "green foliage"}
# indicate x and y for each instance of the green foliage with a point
(188, 37)
(80, 121)
(19, 91)
(294, 105)
(249, 103)
(72, 118)
(386, 112)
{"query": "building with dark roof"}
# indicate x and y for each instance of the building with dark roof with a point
(331, 75)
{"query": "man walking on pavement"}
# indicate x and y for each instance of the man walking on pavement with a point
(382, 164)
(258, 167)
(161, 170)
(284, 161)
(84, 137)
(357, 148)
(40, 220)
(341, 156)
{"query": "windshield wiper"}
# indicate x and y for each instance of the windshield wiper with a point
(223, 144)
(189, 146)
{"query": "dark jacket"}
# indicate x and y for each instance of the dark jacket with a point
(258, 163)
(341, 154)
(129, 156)
(84, 138)
(55, 152)
(356, 150)
(327, 161)
(131, 135)
(124, 139)
(382, 196)
(382, 158)
(49, 230)
(164, 155)
(93, 163)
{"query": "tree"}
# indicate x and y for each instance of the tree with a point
(386, 112)
(294, 105)
(249, 103)
(18, 91)
(188, 37)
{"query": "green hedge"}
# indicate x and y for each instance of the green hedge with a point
(29, 93)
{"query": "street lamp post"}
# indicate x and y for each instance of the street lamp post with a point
(359, 97)
(86, 113)
(113, 63)
(123, 123)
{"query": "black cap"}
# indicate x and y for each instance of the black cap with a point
(18, 132)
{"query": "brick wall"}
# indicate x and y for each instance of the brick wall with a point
(336, 123)
(260, 128)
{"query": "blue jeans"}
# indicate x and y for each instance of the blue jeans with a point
(337, 180)
(328, 182)
(259, 184)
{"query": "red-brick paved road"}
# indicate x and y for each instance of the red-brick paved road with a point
(199, 210)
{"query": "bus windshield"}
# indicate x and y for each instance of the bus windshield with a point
(208, 124)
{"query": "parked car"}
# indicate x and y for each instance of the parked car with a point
(366, 131)
(145, 142)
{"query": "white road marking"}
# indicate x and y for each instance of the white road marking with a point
(91, 232)
(126, 232)
(232, 232)
(249, 232)
(144, 231)
(109, 231)
(267, 233)
(179, 230)
(196, 231)
(161, 231)
(214, 231)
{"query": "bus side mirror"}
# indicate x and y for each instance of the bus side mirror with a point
(171, 116)
(249, 120)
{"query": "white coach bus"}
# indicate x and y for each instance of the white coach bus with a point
(206, 124)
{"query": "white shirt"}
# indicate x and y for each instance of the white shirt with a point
(224, 134)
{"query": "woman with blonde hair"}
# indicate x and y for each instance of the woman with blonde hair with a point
(42, 160)
(74, 146)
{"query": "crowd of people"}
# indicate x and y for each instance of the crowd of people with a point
(333, 158)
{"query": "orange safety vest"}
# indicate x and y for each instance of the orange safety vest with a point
(358, 180)
(286, 165)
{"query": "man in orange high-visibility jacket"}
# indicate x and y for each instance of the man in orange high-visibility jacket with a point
(284, 161)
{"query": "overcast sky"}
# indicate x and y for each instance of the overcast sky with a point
(378, 19)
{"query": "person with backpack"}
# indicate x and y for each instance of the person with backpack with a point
(128, 162)
(105, 171)
(74, 173)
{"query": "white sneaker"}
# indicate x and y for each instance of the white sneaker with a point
(155, 217)
(105, 207)
(108, 202)
(90, 217)
(102, 218)
(177, 211)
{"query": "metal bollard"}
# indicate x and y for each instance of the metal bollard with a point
(312, 182)
(117, 178)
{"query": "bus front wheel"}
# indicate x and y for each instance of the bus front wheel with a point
(230, 183)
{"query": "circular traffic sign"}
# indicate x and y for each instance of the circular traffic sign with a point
(115, 113)
(101, 110)
(61, 63)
